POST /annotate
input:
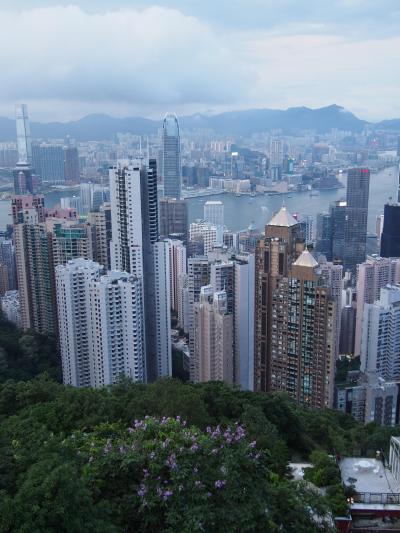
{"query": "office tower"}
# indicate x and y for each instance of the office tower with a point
(7, 258)
(198, 276)
(177, 267)
(101, 234)
(307, 224)
(75, 318)
(4, 287)
(208, 234)
(274, 255)
(380, 339)
(348, 324)
(100, 195)
(173, 219)
(373, 274)
(135, 249)
(24, 179)
(171, 157)
(71, 165)
(356, 218)
(390, 238)
(11, 308)
(214, 212)
(213, 331)
(72, 202)
(244, 321)
(324, 235)
(48, 161)
(276, 159)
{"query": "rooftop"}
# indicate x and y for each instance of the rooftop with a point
(283, 218)
(369, 474)
(306, 259)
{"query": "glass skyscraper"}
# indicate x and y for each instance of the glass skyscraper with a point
(171, 156)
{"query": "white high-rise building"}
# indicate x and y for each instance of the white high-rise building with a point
(214, 212)
(100, 324)
(183, 303)
(177, 264)
(376, 272)
(276, 153)
(74, 319)
(333, 276)
(244, 321)
(135, 249)
(116, 334)
(213, 329)
(380, 340)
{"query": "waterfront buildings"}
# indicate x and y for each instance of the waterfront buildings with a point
(214, 212)
(48, 162)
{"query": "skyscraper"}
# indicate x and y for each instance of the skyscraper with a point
(356, 213)
(135, 249)
(177, 267)
(101, 234)
(24, 179)
(74, 318)
(274, 256)
(171, 156)
(71, 164)
(390, 238)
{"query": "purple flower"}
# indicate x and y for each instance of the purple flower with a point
(171, 462)
(198, 483)
(165, 443)
(214, 451)
(167, 494)
(194, 447)
(220, 483)
(145, 473)
(253, 444)
(142, 491)
(152, 455)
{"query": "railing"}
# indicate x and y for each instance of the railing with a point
(376, 497)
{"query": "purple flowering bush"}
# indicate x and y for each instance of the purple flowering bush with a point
(160, 474)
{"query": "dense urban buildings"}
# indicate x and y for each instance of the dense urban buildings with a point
(173, 219)
(214, 212)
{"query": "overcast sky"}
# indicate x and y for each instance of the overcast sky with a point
(131, 57)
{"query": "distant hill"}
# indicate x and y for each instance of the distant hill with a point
(239, 123)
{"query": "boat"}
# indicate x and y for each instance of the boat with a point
(314, 193)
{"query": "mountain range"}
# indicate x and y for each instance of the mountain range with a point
(237, 123)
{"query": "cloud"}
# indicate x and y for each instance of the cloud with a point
(189, 56)
(154, 56)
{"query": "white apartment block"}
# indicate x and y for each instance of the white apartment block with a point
(162, 312)
(100, 324)
(116, 346)
(74, 319)
(380, 340)
(376, 272)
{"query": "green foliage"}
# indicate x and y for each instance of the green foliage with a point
(345, 365)
(55, 476)
(24, 355)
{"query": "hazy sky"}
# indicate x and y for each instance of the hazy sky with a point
(131, 57)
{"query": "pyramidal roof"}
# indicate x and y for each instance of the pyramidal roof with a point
(306, 260)
(283, 218)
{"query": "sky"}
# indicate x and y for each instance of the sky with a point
(67, 59)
